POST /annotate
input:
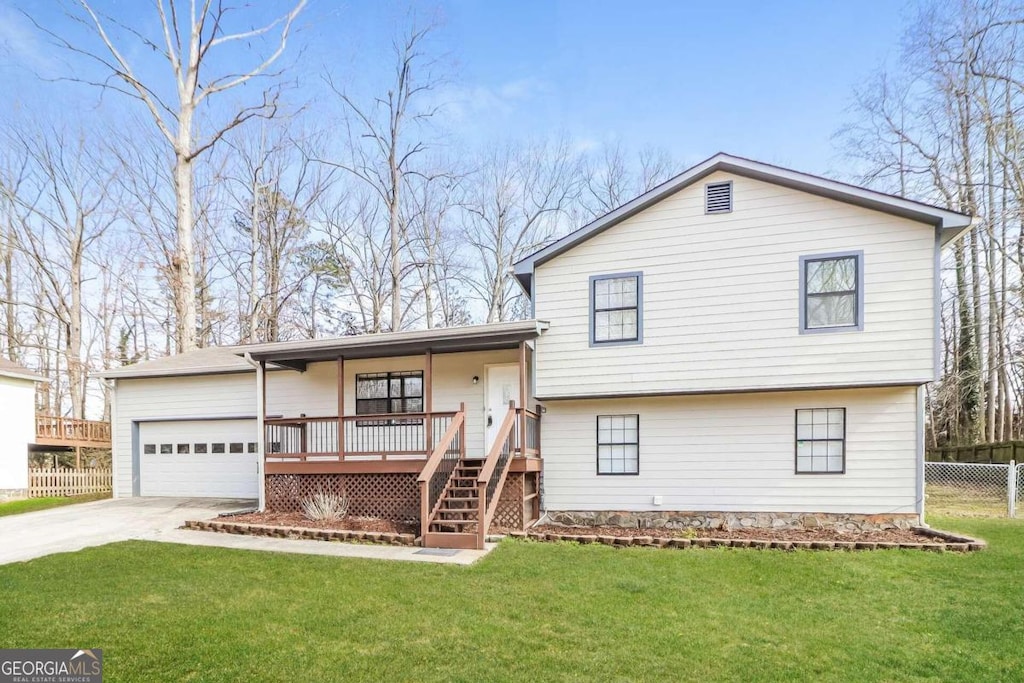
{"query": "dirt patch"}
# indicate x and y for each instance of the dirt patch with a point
(887, 536)
(296, 519)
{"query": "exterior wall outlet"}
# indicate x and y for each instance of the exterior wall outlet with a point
(656, 500)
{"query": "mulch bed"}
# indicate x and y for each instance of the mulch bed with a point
(780, 539)
(297, 519)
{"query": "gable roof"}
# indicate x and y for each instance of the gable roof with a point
(951, 224)
(13, 370)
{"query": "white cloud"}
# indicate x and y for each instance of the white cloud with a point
(461, 102)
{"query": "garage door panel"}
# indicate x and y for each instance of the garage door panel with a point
(171, 466)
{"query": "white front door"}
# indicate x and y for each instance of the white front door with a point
(502, 387)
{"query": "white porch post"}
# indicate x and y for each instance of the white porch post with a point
(261, 415)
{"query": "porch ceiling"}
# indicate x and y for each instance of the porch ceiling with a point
(507, 335)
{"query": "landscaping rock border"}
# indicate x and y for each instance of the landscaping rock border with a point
(682, 519)
(381, 537)
(944, 542)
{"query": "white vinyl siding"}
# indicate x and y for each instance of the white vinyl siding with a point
(210, 396)
(17, 424)
(721, 302)
(290, 394)
(735, 452)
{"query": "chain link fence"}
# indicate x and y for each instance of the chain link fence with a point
(973, 489)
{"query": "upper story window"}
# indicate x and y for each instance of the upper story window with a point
(832, 292)
(616, 309)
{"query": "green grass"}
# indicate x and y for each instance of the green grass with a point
(532, 612)
(966, 500)
(16, 507)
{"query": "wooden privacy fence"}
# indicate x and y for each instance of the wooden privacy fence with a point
(1002, 452)
(68, 482)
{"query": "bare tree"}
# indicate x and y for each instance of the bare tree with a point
(384, 143)
(190, 38)
(66, 208)
(610, 179)
(274, 186)
(946, 128)
(514, 205)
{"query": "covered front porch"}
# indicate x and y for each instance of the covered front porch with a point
(404, 424)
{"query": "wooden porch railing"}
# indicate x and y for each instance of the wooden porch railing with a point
(54, 430)
(528, 443)
(495, 469)
(439, 467)
(356, 437)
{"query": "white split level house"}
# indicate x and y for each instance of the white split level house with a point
(742, 344)
(18, 427)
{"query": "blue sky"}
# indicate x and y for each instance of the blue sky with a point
(769, 80)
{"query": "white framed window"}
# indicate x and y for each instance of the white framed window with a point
(821, 441)
(832, 292)
(618, 444)
(616, 309)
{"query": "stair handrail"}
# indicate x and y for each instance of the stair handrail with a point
(495, 470)
(455, 429)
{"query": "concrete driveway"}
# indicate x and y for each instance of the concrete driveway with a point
(73, 527)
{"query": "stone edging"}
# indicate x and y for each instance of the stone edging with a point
(306, 533)
(945, 542)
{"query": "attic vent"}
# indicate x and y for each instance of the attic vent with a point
(718, 197)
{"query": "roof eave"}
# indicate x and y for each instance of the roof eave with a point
(181, 372)
(382, 346)
(27, 376)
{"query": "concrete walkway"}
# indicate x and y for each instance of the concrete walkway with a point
(83, 525)
(332, 549)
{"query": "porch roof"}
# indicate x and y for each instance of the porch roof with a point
(505, 335)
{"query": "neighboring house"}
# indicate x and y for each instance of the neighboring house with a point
(743, 340)
(17, 426)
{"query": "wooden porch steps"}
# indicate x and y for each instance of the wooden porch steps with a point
(454, 521)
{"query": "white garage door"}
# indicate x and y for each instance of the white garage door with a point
(200, 458)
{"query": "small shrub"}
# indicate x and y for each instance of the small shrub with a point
(325, 507)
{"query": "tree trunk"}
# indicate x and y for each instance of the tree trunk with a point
(183, 268)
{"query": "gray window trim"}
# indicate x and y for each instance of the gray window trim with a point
(639, 308)
(732, 198)
(802, 275)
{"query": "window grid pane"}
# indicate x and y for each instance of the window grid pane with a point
(821, 441)
(389, 392)
(618, 444)
(616, 309)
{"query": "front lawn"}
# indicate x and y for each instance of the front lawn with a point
(532, 612)
(16, 507)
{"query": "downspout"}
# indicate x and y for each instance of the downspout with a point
(920, 454)
(261, 411)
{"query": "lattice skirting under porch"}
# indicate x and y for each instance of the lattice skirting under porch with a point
(509, 514)
(394, 496)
